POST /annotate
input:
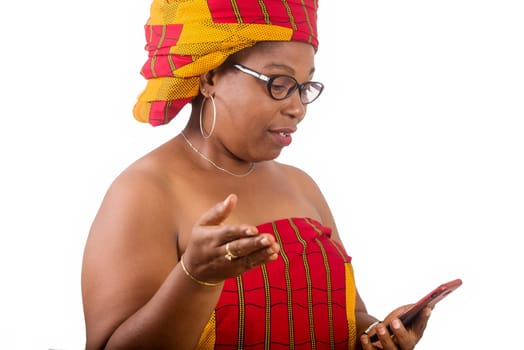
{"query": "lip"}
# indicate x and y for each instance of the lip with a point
(283, 136)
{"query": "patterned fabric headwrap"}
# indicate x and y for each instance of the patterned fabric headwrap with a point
(186, 38)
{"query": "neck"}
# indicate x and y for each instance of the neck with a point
(215, 165)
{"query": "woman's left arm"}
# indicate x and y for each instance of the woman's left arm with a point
(398, 337)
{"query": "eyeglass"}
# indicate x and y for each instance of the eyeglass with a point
(281, 86)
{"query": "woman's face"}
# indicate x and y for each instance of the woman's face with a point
(252, 125)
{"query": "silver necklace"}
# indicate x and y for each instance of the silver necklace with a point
(249, 171)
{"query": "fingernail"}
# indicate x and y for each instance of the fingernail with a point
(264, 241)
(250, 232)
(395, 324)
(428, 312)
(364, 340)
(381, 329)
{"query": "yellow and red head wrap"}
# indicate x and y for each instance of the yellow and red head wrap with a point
(186, 38)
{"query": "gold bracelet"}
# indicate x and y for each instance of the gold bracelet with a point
(196, 279)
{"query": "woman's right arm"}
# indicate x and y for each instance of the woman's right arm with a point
(135, 293)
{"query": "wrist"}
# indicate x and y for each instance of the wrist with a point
(195, 279)
(370, 327)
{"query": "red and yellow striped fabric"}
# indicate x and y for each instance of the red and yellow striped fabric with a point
(303, 300)
(186, 38)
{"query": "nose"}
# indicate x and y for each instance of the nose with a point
(294, 107)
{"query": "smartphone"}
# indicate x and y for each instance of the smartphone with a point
(430, 299)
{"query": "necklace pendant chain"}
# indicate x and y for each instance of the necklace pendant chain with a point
(249, 171)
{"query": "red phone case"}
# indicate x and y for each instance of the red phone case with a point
(430, 299)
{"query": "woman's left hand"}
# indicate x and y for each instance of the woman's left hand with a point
(398, 337)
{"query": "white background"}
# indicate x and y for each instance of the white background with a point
(417, 143)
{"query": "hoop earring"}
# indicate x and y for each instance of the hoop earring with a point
(204, 134)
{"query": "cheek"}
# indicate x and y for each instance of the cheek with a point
(245, 106)
(248, 120)
(249, 111)
(246, 92)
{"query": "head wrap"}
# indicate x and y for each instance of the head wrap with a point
(186, 38)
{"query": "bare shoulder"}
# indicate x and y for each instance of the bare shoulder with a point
(300, 177)
(141, 194)
(148, 188)
(137, 211)
(145, 180)
(131, 246)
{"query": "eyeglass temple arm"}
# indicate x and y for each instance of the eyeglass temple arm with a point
(251, 72)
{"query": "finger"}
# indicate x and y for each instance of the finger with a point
(421, 322)
(253, 251)
(403, 338)
(384, 337)
(230, 233)
(365, 342)
(218, 213)
(259, 257)
(247, 245)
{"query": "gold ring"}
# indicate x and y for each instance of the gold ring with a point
(229, 256)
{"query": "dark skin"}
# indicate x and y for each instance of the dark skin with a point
(172, 203)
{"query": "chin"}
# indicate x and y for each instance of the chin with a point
(269, 153)
(274, 155)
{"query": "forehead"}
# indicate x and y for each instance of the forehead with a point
(293, 54)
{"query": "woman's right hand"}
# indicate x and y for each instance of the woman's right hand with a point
(206, 256)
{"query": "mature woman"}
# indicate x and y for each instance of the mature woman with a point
(207, 242)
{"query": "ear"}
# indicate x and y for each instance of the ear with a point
(207, 82)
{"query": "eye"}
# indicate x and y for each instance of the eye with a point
(279, 88)
(281, 85)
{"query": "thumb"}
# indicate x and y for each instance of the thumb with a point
(218, 213)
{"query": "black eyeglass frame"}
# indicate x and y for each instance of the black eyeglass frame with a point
(269, 82)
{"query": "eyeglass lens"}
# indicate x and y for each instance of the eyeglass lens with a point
(281, 87)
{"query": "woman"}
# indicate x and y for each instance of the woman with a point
(207, 242)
